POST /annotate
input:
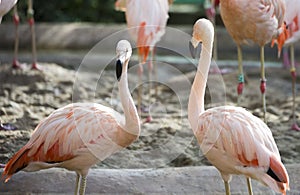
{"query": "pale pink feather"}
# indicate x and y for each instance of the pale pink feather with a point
(292, 19)
(5, 6)
(253, 20)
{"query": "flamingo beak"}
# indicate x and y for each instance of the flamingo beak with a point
(194, 47)
(119, 66)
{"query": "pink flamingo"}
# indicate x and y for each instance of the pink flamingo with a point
(210, 11)
(79, 135)
(147, 21)
(5, 6)
(30, 13)
(292, 19)
(231, 138)
(255, 20)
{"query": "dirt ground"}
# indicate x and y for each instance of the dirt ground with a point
(26, 97)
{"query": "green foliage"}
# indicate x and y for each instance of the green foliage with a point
(73, 11)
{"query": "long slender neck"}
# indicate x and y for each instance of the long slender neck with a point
(132, 120)
(196, 99)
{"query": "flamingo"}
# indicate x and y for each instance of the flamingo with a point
(147, 22)
(5, 6)
(30, 13)
(292, 19)
(231, 138)
(255, 20)
(210, 11)
(79, 135)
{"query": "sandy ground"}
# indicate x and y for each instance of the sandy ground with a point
(26, 97)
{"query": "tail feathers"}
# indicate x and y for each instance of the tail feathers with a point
(277, 177)
(16, 163)
(283, 35)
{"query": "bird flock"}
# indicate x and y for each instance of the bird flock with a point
(79, 135)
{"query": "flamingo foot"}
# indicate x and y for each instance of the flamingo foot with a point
(295, 127)
(35, 66)
(148, 119)
(7, 127)
(16, 64)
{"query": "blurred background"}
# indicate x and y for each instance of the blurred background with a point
(102, 11)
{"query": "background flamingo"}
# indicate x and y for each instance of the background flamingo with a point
(5, 6)
(147, 21)
(30, 13)
(255, 20)
(210, 7)
(79, 135)
(231, 138)
(292, 19)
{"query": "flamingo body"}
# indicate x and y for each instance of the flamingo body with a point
(68, 135)
(147, 21)
(232, 139)
(289, 38)
(79, 135)
(5, 6)
(258, 21)
(252, 20)
(292, 19)
(236, 142)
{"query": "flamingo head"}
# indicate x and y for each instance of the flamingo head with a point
(203, 31)
(124, 52)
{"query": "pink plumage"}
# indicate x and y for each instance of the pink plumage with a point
(79, 135)
(231, 138)
(5, 6)
(146, 21)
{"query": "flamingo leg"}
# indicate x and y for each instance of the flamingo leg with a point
(77, 184)
(285, 55)
(293, 74)
(140, 89)
(241, 74)
(30, 13)
(155, 71)
(16, 63)
(249, 186)
(263, 80)
(150, 70)
(227, 187)
(82, 185)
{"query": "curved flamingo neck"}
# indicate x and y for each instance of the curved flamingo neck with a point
(132, 120)
(196, 99)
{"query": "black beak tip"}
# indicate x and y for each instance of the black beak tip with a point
(119, 69)
(192, 50)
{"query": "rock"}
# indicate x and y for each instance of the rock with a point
(185, 180)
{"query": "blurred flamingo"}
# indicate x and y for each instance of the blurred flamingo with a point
(147, 22)
(292, 20)
(255, 20)
(30, 13)
(79, 135)
(231, 138)
(5, 6)
(210, 7)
